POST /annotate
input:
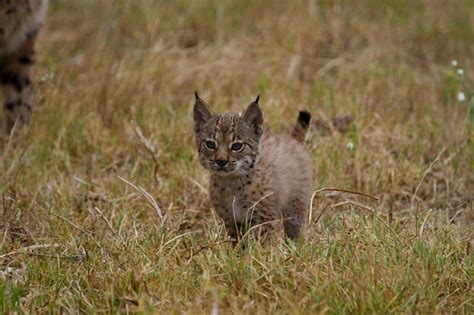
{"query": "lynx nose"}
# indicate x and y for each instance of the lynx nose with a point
(221, 163)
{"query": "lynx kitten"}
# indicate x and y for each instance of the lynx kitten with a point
(257, 179)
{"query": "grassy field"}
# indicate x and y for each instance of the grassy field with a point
(104, 203)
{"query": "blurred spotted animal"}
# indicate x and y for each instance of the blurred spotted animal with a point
(20, 22)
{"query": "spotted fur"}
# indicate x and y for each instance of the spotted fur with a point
(258, 182)
(20, 22)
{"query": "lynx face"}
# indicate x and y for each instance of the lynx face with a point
(228, 143)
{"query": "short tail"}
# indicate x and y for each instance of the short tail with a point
(301, 126)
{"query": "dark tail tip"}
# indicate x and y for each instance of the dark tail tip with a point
(301, 126)
(304, 117)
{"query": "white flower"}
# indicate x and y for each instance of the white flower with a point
(454, 63)
(461, 97)
(460, 71)
(47, 77)
(350, 146)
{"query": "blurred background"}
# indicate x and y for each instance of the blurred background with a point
(387, 65)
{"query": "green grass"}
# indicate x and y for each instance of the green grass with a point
(76, 237)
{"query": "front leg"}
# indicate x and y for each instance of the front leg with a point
(233, 228)
(264, 224)
(261, 228)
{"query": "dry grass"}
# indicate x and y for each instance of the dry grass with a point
(114, 99)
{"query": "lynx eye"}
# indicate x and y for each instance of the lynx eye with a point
(211, 145)
(236, 146)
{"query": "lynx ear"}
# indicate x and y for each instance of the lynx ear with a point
(201, 113)
(253, 116)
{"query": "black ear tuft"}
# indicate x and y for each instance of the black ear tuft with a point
(257, 99)
(196, 95)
